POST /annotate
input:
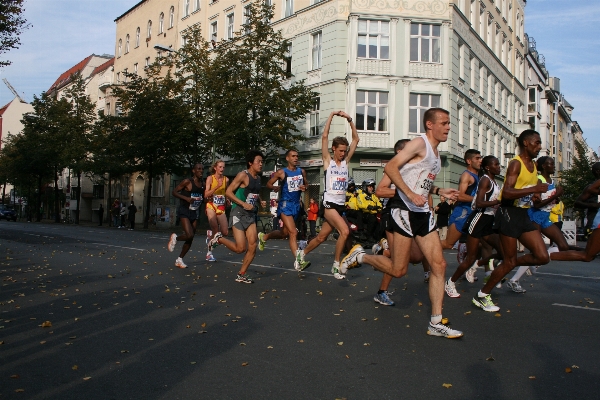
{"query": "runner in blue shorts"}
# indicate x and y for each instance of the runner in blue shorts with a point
(291, 184)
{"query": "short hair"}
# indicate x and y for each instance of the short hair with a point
(400, 144)
(430, 115)
(486, 162)
(470, 154)
(540, 162)
(198, 165)
(526, 135)
(339, 140)
(251, 155)
(287, 153)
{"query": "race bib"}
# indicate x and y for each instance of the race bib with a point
(196, 201)
(219, 200)
(424, 183)
(294, 183)
(252, 199)
(525, 201)
(546, 195)
(338, 185)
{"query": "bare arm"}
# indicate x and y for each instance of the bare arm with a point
(279, 175)
(304, 180)
(325, 141)
(484, 186)
(412, 149)
(509, 192)
(589, 191)
(182, 185)
(240, 178)
(465, 180)
(383, 188)
(355, 138)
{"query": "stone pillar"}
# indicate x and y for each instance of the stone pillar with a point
(353, 43)
(404, 66)
(394, 52)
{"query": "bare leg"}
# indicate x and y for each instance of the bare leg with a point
(398, 265)
(556, 236)
(333, 220)
(472, 250)
(451, 237)
(435, 256)
(238, 245)
(189, 230)
(252, 237)
(326, 229)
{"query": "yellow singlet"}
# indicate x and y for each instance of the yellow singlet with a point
(524, 180)
(218, 198)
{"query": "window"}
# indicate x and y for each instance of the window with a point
(532, 100)
(531, 121)
(287, 60)
(314, 118)
(371, 111)
(417, 105)
(488, 144)
(119, 48)
(316, 50)
(473, 67)
(149, 33)
(496, 48)
(135, 68)
(186, 8)
(425, 43)
(118, 77)
(158, 186)
(490, 39)
(518, 23)
(107, 109)
(147, 62)
(230, 26)
(125, 75)
(472, 9)
(171, 17)
(183, 40)
(196, 5)
(482, 77)
(213, 31)
(247, 28)
(461, 61)
(161, 23)
(288, 8)
(471, 132)
(373, 39)
(461, 127)
(126, 44)
(480, 138)
(497, 96)
(137, 37)
(481, 20)
(510, 13)
(98, 191)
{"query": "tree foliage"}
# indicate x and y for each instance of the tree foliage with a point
(575, 179)
(12, 24)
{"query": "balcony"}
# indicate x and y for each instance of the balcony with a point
(374, 139)
(426, 70)
(373, 67)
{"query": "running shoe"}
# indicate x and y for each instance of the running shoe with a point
(179, 263)
(335, 270)
(383, 298)
(351, 259)
(485, 303)
(301, 265)
(172, 242)
(532, 270)
(427, 273)
(451, 289)
(299, 255)
(440, 329)
(470, 274)
(244, 279)
(515, 286)
(462, 252)
(261, 241)
(208, 235)
(553, 249)
(210, 257)
(384, 244)
(376, 249)
(214, 242)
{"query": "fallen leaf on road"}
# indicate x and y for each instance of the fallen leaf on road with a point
(300, 341)
(124, 351)
(242, 344)
(193, 362)
(19, 390)
(340, 343)
(74, 367)
(203, 325)
(269, 347)
(87, 378)
(46, 324)
(574, 367)
(14, 376)
(43, 342)
(447, 385)
(490, 358)
(420, 304)
(497, 315)
(468, 312)
(568, 370)
(532, 377)
(244, 364)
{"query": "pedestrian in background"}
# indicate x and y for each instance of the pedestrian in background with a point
(131, 217)
(313, 211)
(115, 211)
(123, 216)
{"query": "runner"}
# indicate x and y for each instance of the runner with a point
(216, 186)
(334, 198)
(291, 186)
(413, 171)
(467, 186)
(479, 224)
(190, 192)
(512, 221)
(243, 193)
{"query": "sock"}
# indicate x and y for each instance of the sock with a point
(301, 254)
(209, 253)
(381, 291)
(436, 319)
(242, 273)
(522, 269)
(359, 258)
(481, 294)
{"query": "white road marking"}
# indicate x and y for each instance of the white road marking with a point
(569, 276)
(570, 306)
(285, 269)
(121, 247)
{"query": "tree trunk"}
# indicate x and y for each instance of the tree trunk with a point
(39, 202)
(108, 208)
(78, 197)
(56, 197)
(147, 216)
(4, 191)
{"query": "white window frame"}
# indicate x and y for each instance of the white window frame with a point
(316, 50)
(196, 5)
(149, 30)
(461, 61)
(419, 39)
(137, 37)
(482, 82)
(473, 68)
(171, 17)
(471, 131)
(147, 62)
(418, 110)
(482, 20)
(135, 68)
(230, 20)
(288, 8)
(461, 124)
(127, 44)
(161, 23)
(186, 8)
(247, 18)
(214, 31)
(120, 48)
(381, 106)
(314, 129)
(158, 186)
(380, 33)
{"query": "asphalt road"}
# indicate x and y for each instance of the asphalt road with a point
(127, 324)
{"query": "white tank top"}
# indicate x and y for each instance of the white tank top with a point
(490, 195)
(419, 177)
(336, 182)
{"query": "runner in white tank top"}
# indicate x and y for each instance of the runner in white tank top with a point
(413, 171)
(336, 182)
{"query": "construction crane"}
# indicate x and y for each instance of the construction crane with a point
(12, 89)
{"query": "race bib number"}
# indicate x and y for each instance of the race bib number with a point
(219, 200)
(294, 183)
(525, 201)
(252, 199)
(424, 184)
(545, 196)
(338, 185)
(196, 201)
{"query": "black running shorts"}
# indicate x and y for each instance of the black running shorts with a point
(513, 222)
(479, 225)
(411, 223)
(185, 212)
(340, 208)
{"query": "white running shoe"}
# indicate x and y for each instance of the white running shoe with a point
(172, 242)
(451, 289)
(214, 242)
(351, 259)
(375, 249)
(553, 249)
(515, 286)
(179, 263)
(470, 274)
(426, 279)
(485, 303)
(462, 252)
(440, 329)
(335, 270)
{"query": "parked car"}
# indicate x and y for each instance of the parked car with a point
(7, 212)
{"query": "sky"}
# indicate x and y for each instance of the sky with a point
(64, 32)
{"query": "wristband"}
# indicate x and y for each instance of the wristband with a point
(437, 191)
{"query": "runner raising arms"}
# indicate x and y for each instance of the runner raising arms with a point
(334, 198)
(413, 171)
(216, 185)
(292, 184)
(191, 193)
(243, 193)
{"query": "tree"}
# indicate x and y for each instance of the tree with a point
(12, 24)
(575, 179)
(257, 102)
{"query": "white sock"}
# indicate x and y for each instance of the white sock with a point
(522, 269)
(436, 319)
(359, 258)
(481, 294)
(209, 253)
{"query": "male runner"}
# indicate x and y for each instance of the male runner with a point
(334, 198)
(216, 185)
(243, 193)
(467, 185)
(292, 183)
(413, 171)
(512, 220)
(190, 192)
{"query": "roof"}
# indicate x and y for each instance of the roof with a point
(128, 11)
(65, 76)
(103, 67)
(4, 108)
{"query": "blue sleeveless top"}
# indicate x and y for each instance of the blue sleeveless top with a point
(471, 190)
(290, 186)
